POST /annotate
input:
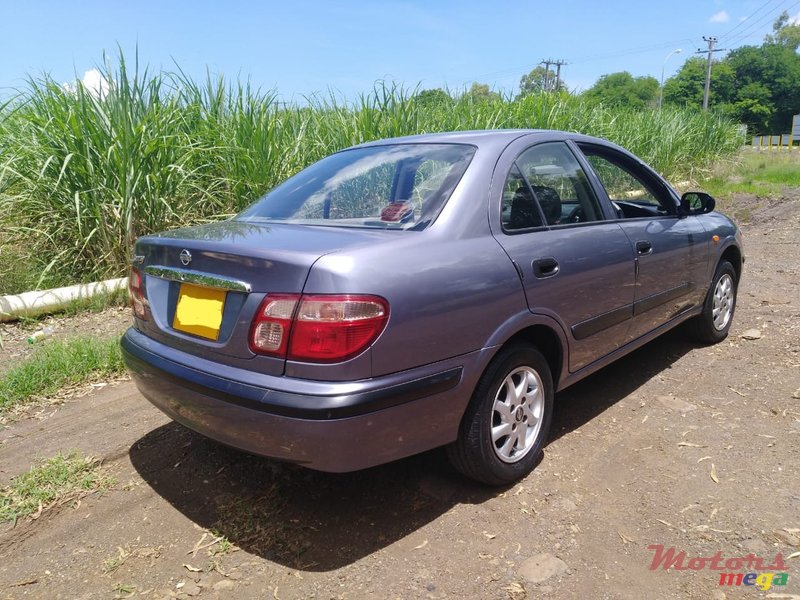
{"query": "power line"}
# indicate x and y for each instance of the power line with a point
(763, 20)
(746, 19)
(513, 71)
(750, 26)
(632, 51)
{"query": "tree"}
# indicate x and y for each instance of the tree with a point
(434, 97)
(686, 87)
(753, 106)
(786, 32)
(540, 80)
(754, 84)
(623, 89)
(481, 92)
(769, 74)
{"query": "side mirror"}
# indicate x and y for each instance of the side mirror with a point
(697, 203)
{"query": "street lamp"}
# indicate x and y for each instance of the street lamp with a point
(661, 87)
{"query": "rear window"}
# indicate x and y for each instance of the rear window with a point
(400, 186)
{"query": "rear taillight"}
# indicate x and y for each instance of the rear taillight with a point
(318, 328)
(136, 290)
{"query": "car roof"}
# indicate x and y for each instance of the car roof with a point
(481, 138)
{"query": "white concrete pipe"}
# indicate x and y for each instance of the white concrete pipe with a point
(31, 304)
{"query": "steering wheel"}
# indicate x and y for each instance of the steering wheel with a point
(575, 215)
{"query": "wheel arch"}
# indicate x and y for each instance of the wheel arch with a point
(734, 256)
(548, 342)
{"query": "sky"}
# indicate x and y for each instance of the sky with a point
(298, 48)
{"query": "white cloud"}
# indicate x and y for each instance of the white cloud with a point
(93, 81)
(720, 17)
(795, 20)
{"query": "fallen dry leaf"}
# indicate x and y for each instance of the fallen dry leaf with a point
(665, 523)
(714, 473)
(625, 539)
(794, 555)
(422, 545)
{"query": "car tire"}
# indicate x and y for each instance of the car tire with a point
(507, 421)
(713, 324)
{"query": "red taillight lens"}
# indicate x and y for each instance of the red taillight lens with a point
(334, 328)
(318, 328)
(136, 291)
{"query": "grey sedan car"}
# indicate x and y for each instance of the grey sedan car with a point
(425, 291)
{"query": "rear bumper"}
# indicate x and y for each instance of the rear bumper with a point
(329, 426)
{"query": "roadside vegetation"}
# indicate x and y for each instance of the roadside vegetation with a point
(84, 172)
(757, 172)
(57, 364)
(766, 177)
(55, 481)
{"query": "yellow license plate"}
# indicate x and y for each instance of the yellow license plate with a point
(199, 310)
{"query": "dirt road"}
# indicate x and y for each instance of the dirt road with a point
(696, 448)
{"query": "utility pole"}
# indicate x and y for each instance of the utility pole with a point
(546, 82)
(549, 85)
(712, 42)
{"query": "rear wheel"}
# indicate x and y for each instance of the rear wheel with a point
(714, 323)
(508, 418)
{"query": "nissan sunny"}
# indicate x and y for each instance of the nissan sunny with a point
(433, 290)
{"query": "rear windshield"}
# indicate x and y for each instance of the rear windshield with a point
(400, 186)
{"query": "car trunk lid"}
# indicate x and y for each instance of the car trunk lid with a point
(204, 284)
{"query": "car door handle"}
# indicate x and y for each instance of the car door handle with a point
(545, 267)
(643, 248)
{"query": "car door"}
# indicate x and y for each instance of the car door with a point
(576, 265)
(671, 250)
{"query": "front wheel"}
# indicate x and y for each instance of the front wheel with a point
(508, 418)
(712, 325)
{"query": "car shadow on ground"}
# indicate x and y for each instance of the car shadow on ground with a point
(585, 400)
(315, 521)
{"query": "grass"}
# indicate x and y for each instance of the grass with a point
(56, 364)
(751, 179)
(81, 175)
(98, 302)
(113, 563)
(760, 173)
(55, 480)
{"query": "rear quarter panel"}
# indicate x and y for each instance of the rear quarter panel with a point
(446, 297)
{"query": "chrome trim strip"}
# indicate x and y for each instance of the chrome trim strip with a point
(198, 278)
